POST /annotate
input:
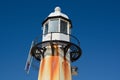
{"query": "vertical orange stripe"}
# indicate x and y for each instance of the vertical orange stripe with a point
(41, 70)
(66, 69)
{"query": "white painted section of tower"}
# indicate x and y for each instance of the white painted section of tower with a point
(56, 36)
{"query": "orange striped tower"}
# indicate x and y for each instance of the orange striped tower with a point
(57, 49)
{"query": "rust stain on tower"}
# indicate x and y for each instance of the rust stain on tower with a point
(54, 67)
(56, 51)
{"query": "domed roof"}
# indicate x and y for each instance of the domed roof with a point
(57, 12)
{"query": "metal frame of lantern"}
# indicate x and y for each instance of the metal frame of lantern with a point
(39, 47)
(57, 17)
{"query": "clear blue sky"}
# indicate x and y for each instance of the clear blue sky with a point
(95, 22)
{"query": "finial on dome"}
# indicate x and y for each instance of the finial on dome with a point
(57, 12)
(57, 9)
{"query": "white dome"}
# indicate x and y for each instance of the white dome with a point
(57, 12)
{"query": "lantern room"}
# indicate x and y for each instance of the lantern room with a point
(57, 26)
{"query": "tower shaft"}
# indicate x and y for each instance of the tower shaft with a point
(55, 65)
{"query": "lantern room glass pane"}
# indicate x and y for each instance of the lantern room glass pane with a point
(53, 25)
(46, 28)
(63, 27)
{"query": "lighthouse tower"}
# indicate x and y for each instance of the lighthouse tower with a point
(57, 49)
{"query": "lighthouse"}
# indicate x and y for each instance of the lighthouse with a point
(55, 49)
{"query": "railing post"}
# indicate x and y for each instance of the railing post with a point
(51, 36)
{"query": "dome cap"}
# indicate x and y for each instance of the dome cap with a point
(57, 12)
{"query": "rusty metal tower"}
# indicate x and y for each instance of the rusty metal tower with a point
(57, 49)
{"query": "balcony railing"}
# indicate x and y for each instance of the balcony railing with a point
(72, 39)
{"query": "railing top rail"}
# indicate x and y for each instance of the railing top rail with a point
(73, 39)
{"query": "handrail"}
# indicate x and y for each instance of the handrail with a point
(73, 39)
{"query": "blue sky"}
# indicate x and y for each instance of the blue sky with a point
(95, 22)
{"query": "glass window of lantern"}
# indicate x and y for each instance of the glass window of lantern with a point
(46, 28)
(53, 25)
(63, 27)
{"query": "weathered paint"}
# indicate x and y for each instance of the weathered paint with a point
(55, 67)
